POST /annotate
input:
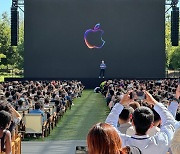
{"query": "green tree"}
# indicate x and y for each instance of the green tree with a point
(20, 47)
(14, 55)
(168, 47)
(175, 60)
(5, 40)
(4, 34)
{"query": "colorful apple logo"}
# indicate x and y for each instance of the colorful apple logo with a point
(93, 37)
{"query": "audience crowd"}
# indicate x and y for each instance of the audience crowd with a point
(162, 90)
(145, 114)
(34, 97)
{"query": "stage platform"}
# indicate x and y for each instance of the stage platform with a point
(89, 83)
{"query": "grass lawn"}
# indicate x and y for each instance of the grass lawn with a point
(75, 124)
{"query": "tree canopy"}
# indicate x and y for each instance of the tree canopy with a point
(14, 55)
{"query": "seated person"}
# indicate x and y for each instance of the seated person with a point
(21, 105)
(46, 102)
(38, 110)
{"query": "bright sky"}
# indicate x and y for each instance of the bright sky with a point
(6, 4)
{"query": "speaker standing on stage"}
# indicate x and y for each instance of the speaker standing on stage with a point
(102, 69)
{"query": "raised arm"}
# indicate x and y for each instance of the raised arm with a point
(168, 121)
(8, 143)
(16, 114)
(173, 107)
(113, 116)
(175, 103)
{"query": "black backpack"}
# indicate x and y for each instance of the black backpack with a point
(133, 150)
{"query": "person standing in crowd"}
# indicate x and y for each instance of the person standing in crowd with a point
(102, 69)
(143, 120)
(125, 119)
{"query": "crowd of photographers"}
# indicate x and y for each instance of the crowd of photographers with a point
(145, 115)
(162, 90)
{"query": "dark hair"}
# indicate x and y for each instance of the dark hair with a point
(111, 92)
(142, 118)
(53, 95)
(37, 105)
(5, 119)
(33, 91)
(20, 102)
(14, 97)
(5, 106)
(46, 100)
(38, 93)
(36, 98)
(7, 94)
(126, 112)
(13, 92)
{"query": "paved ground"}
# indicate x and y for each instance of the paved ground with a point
(52, 147)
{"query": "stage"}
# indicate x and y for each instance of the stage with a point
(89, 83)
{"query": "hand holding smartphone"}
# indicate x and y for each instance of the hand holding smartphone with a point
(131, 95)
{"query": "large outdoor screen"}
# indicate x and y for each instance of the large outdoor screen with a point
(70, 38)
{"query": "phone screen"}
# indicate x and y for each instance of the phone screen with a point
(81, 150)
(141, 95)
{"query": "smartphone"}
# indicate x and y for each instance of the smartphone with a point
(141, 95)
(131, 95)
(81, 150)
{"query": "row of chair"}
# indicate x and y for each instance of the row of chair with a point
(36, 124)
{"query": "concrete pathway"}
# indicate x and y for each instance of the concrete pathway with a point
(52, 147)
